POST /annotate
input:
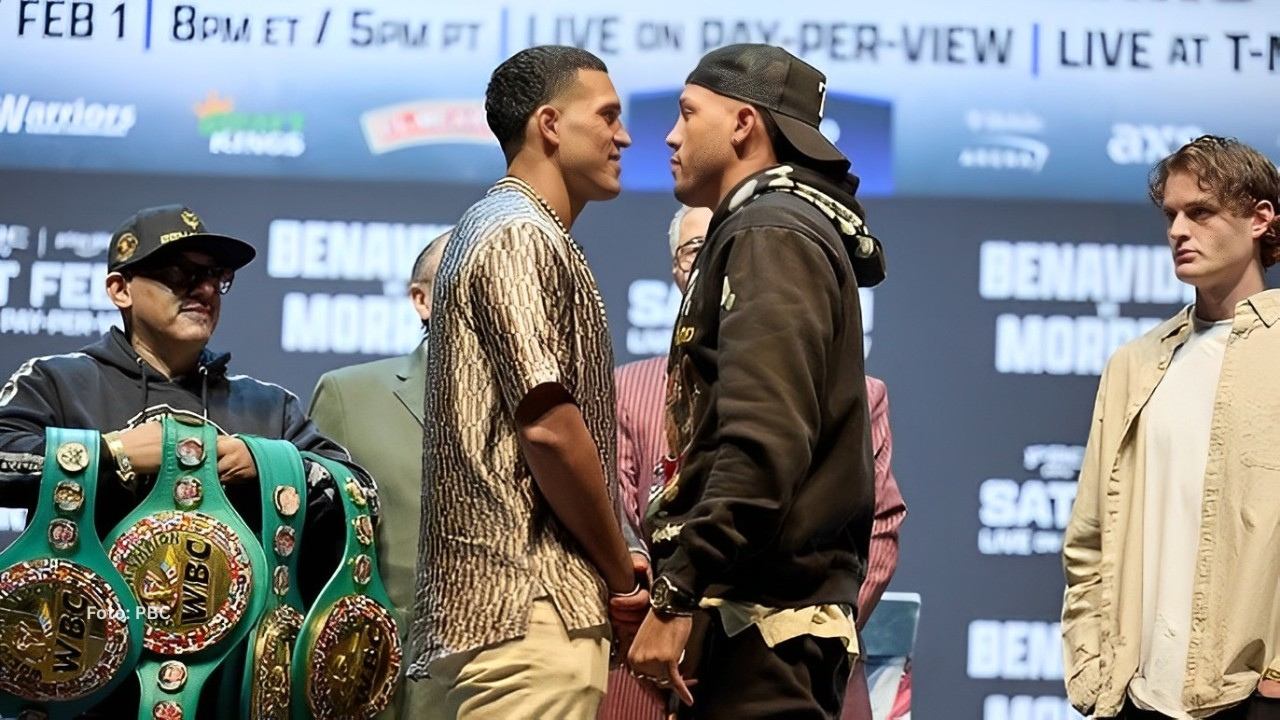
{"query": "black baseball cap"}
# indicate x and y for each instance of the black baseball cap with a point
(790, 90)
(158, 231)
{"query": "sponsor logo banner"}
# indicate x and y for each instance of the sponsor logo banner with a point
(426, 122)
(233, 132)
(23, 114)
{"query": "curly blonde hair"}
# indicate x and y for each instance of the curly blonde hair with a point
(1238, 176)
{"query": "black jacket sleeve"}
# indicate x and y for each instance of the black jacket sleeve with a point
(28, 405)
(779, 306)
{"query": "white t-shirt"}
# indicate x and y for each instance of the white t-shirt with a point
(1175, 423)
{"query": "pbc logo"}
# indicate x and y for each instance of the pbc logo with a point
(1142, 144)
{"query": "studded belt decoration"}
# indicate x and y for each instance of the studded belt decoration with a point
(265, 683)
(347, 660)
(70, 630)
(196, 568)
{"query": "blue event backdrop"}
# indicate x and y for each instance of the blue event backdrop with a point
(1003, 151)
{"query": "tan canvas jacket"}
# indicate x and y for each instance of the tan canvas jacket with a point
(1235, 633)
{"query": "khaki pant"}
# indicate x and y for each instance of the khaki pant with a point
(549, 673)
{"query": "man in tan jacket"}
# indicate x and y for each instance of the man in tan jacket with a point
(1172, 555)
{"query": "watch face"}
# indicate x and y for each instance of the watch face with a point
(661, 592)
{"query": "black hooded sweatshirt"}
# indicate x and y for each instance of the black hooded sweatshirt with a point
(767, 410)
(107, 386)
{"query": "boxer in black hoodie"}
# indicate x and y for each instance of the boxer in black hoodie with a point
(763, 524)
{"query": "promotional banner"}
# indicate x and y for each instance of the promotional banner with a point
(1009, 98)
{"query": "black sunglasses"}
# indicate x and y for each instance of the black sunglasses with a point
(185, 277)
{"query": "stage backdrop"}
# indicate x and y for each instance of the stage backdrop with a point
(1003, 150)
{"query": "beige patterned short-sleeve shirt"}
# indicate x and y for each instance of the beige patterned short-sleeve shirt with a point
(515, 306)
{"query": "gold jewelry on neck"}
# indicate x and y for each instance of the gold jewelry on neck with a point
(524, 187)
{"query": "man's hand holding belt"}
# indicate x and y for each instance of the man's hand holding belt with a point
(137, 451)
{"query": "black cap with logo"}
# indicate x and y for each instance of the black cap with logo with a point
(790, 90)
(160, 231)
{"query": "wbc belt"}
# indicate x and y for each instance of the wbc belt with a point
(70, 630)
(347, 659)
(196, 568)
(265, 691)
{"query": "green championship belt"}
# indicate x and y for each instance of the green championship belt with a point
(266, 688)
(70, 629)
(347, 659)
(196, 568)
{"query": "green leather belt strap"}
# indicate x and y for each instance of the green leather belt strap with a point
(284, 511)
(265, 682)
(347, 660)
(70, 630)
(197, 569)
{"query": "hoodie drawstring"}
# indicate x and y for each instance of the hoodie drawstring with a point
(204, 386)
(142, 370)
(204, 390)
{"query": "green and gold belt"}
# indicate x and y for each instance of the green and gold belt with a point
(70, 629)
(347, 660)
(196, 569)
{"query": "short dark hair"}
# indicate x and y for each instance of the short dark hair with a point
(770, 127)
(526, 81)
(782, 149)
(1237, 175)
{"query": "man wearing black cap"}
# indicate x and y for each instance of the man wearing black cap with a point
(763, 523)
(167, 275)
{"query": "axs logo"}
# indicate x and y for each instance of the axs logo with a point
(1134, 143)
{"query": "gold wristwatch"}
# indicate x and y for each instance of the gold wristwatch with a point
(124, 468)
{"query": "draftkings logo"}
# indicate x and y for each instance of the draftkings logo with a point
(233, 132)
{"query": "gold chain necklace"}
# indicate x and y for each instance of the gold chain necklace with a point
(516, 183)
(527, 189)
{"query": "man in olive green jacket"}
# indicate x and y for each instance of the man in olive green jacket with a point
(376, 409)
